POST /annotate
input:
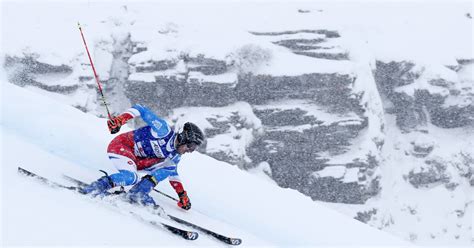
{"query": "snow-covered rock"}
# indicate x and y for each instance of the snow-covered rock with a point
(344, 103)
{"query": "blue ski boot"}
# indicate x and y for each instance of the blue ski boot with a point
(98, 187)
(139, 193)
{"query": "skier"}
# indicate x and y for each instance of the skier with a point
(154, 149)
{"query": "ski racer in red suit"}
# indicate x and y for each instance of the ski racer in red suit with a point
(154, 149)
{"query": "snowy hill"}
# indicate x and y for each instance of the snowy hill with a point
(50, 138)
(367, 107)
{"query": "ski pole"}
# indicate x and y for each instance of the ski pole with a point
(166, 195)
(95, 73)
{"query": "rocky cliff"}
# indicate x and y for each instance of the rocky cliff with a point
(309, 107)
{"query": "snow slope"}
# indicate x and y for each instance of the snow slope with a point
(51, 138)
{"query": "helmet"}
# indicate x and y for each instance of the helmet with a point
(190, 134)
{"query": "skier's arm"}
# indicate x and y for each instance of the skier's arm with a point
(117, 122)
(171, 172)
(175, 182)
(156, 123)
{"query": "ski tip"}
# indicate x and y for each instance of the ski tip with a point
(23, 171)
(234, 241)
(192, 235)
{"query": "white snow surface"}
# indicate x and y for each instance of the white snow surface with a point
(61, 139)
(51, 138)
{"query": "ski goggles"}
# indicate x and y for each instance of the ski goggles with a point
(191, 146)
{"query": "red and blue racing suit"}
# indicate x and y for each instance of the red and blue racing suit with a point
(150, 149)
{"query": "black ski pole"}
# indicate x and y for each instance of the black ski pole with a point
(172, 198)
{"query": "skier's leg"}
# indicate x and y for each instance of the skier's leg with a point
(121, 154)
(97, 187)
(140, 191)
(127, 174)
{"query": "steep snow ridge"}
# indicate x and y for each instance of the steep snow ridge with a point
(422, 33)
(37, 215)
(42, 123)
(50, 138)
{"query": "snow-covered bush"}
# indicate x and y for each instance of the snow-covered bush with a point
(248, 57)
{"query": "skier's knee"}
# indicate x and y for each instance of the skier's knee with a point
(124, 178)
(152, 179)
(139, 192)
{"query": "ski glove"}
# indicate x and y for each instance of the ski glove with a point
(116, 123)
(184, 202)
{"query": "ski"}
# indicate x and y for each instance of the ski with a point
(77, 182)
(188, 235)
(45, 180)
(220, 237)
